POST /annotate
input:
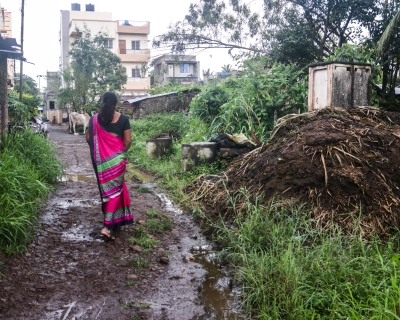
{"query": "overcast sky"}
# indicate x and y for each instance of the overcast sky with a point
(42, 25)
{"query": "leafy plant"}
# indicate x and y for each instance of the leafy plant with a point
(21, 112)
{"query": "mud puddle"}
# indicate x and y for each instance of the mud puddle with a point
(192, 261)
(199, 263)
(215, 286)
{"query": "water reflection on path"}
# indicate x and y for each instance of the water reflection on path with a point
(216, 292)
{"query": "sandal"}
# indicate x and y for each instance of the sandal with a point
(106, 233)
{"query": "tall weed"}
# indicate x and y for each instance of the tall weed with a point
(36, 150)
(291, 269)
(27, 170)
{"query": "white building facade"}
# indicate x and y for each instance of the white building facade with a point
(126, 38)
(6, 32)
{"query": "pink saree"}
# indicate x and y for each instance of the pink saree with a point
(110, 164)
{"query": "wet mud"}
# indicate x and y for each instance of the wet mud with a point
(71, 272)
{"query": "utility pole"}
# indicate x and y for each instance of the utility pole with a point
(22, 49)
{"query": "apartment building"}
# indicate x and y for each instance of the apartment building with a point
(184, 69)
(6, 32)
(126, 38)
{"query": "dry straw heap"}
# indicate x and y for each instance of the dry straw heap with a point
(343, 164)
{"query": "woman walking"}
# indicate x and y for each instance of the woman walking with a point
(109, 138)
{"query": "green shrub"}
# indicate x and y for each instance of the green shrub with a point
(248, 102)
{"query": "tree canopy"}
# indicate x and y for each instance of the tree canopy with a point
(298, 31)
(29, 85)
(293, 31)
(93, 70)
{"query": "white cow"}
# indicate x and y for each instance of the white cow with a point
(76, 118)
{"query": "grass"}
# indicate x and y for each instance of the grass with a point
(153, 213)
(158, 222)
(159, 225)
(291, 269)
(28, 170)
(130, 282)
(137, 263)
(142, 238)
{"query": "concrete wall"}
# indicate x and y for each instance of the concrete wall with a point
(90, 15)
(95, 27)
(158, 104)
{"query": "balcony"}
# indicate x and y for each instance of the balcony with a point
(137, 84)
(128, 55)
(129, 26)
(187, 79)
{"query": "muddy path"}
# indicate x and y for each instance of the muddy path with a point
(70, 272)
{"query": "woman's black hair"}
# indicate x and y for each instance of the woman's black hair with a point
(108, 106)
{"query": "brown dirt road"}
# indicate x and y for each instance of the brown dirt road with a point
(70, 272)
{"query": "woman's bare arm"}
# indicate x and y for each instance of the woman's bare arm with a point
(127, 139)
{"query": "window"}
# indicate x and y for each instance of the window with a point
(135, 73)
(52, 105)
(184, 68)
(108, 43)
(136, 45)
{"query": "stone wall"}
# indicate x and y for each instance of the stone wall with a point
(162, 103)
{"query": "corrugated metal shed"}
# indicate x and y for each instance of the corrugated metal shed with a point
(10, 49)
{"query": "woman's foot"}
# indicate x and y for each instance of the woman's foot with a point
(107, 233)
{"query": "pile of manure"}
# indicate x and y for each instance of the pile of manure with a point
(342, 164)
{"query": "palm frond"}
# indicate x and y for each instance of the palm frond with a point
(387, 33)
